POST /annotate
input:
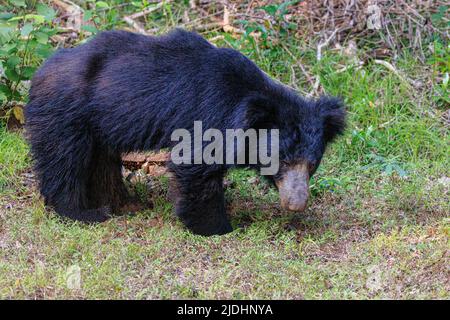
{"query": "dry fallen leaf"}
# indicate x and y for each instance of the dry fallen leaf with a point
(18, 114)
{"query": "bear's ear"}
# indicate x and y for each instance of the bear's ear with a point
(334, 115)
(260, 113)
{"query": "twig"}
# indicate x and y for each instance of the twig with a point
(300, 65)
(130, 20)
(315, 89)
(216, 38)
(193, 22)
(135, 25)
(226, 25)
(148, 10)
(357, 66)
(73, 12)
(66, 4)
(208, 26)
(391, 68)
(324, 44)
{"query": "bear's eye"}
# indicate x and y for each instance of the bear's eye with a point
(312, 167)
(284, 164)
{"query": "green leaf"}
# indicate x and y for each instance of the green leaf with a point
(87, 15)
(249, 30)
(41, 37)
(3, 98)
(292, 26)
(37, 18)
(12, 75)
(13, 61)
(6, 31)
(283, 7)
(48, 12)
(18, 3)
(28, 72)
(6, 15)
(10, 47)
(5, 90)
(270, 9)
(101, 4)
(26, 29)
(90, 29)
(43, 51)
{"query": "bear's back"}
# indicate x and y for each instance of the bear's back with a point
(116, 60)
(119, 41)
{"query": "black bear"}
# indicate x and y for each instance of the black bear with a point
(123, 92)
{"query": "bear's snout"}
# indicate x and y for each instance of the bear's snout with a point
(294, 188)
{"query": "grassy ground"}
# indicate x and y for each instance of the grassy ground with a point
(377, 225)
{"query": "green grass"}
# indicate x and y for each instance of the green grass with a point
(13, 158)
(377, 225)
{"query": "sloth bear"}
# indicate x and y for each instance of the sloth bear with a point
(123, 92)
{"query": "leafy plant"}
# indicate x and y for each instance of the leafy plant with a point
(320, 185)
(103, 15)
(363, 142)
(387, 166)
(24, 43)
(274, 28)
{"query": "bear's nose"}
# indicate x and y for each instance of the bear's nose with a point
(297, 204)
(294, 200)
(294, 188)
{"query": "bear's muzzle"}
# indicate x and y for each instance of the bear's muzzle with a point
(294, 187)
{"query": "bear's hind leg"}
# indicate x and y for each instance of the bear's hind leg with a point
(62, 169)
(105, 184)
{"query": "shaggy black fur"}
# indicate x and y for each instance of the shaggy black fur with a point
(124, 92)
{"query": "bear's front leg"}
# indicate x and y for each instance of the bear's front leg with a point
(199, 201)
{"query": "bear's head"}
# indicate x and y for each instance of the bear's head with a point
(305, 129)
